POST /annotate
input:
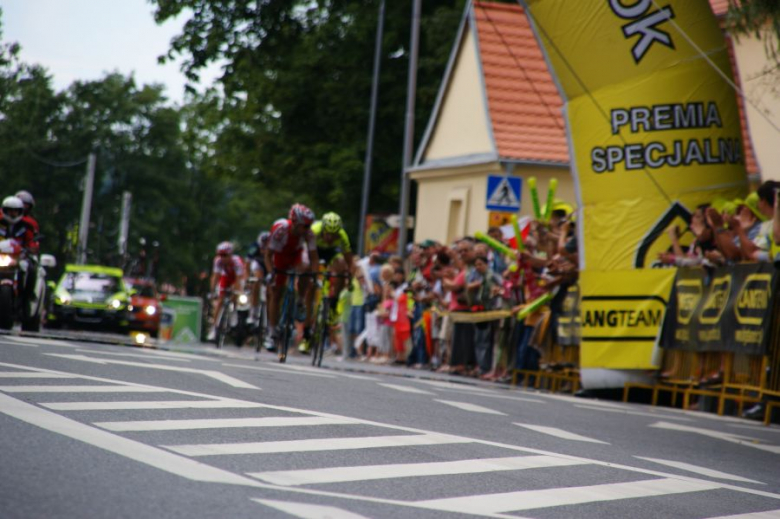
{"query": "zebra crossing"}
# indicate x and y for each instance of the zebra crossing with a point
(424, 459)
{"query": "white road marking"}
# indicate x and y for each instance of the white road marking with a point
(33, 374)
(533, 499)
(177, 404)
(701, 470)
(761, 428)
(769, 514)
(227, 379)
(356, 377)
(307, 511)
(407, 389)
(500, 397)
(325, 444)
(729, 437)
(219, 423)
(136, 355)
(474, 408)
(405, 470)
(451, 385)
(134, 450)
(30, 341)
(633, 413)
(77, 389)
(278, 370)
(560, 433)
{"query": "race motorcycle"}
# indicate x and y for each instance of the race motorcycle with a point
(16, 303)
(239, 320)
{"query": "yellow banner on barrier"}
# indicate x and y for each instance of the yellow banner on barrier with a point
(621, 316)
(655, 128)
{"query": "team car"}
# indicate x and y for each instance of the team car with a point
(90, 296)
(145, 308)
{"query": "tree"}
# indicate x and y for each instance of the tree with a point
(758, 17)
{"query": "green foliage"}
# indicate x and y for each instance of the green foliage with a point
(758, 17)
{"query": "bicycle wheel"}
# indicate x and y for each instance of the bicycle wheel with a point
(287, 322)
(258, 330)
(324, 331)
(222, 325)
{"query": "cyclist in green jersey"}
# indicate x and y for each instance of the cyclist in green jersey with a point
(334, 249)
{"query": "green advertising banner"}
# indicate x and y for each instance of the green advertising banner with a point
(181, 319)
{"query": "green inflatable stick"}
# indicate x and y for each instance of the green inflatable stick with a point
(550, 197)
(496, 245)
(534, 306)
(535, 197)
(518, 234)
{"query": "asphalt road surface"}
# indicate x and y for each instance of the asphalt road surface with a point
(93, 430)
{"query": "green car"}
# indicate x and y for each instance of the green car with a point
(90, 296)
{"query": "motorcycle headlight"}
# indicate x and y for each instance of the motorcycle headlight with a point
(6, 260)
(243, 299)
(150, 310)
(116, 304)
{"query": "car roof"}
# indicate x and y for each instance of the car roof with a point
(96, 269)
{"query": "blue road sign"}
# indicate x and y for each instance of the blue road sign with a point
(503, 193)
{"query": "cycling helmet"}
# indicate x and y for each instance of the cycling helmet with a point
(331, 222)
(225, 248)
(13, 209)
(301, 215)
(262, 239)
(26, 198)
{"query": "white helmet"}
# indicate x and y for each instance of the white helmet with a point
(13, 209)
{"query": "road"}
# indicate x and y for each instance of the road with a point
(107, 431)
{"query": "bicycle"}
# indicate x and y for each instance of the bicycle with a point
(222, 321)
(287, 310)
(258, 326)
(322, 326)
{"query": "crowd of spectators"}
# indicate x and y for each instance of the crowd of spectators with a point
(452, 307)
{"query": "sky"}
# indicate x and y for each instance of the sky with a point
(84, 39)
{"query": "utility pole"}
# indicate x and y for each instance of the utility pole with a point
(371, 127)
(86, 207)
(411, 92)
(124, 225)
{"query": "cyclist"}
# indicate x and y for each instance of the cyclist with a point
(291, 246)
(227, 273)
(333, 248)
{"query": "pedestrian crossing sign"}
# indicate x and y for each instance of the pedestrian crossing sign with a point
(503, 193)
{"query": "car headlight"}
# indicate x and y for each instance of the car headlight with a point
(62, 299)
(6, 260)
(116, 304)
(243, 299)
(150, 310)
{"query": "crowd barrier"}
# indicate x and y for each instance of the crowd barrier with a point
(720, 340)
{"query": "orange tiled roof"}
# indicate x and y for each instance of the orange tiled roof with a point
(719, 7)
(523, 101)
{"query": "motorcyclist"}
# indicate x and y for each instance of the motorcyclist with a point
(13, 226)
(29, 204)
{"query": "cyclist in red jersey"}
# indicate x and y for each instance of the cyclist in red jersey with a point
(291, 246)
(227, 272)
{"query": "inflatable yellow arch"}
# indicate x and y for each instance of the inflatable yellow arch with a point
(654, 131)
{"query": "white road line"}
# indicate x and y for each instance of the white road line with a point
(769, 514)
(136, 355)
(500, 397)
(30, 341)
(761, 428)
(407, 389)
(278, 370)
(729, 437)
(633, 413)
(533, 499)
(220, 423)
(701, 470)
(137, 451)
(177, 404)
(307, 511)
(474, 408)
(227, 379)
(33, 374)
(560, 433)
(451, 385)
(356, 377)
(326, 444)
(77, 389)
(404, 470)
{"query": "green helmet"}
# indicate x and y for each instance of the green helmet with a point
(331, 222)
